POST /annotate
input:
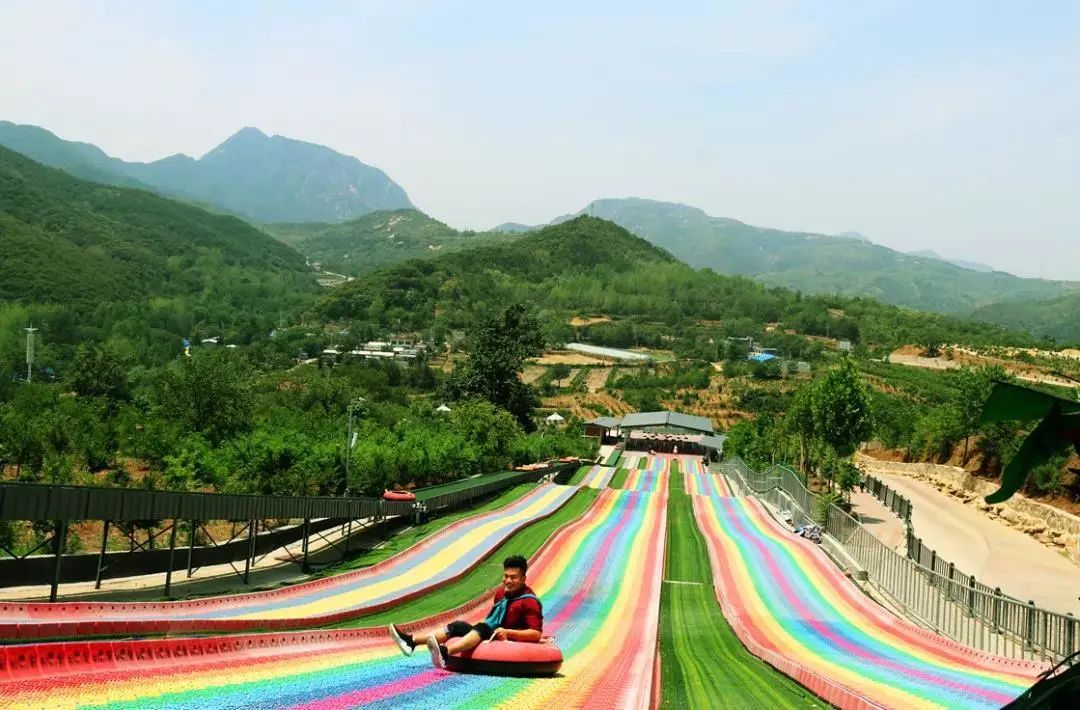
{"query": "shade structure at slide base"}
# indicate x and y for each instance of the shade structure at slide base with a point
(440, 559)
(599, 578)
(793, 607)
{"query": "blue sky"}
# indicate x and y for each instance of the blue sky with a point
(948, 126)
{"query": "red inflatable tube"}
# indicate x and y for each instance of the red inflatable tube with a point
(509, 658)
(399, 495)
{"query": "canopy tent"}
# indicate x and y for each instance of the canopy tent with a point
(555, 418)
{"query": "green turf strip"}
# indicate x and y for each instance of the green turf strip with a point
(412, 535)
(578, 477)
(702, 661)
(619, 479)
(487, 575)
(643, 463)
(613, 458)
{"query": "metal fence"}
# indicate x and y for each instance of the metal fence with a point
(892, 500)
(43, 501)
(927, 558)
(930, 590)
(482, 487)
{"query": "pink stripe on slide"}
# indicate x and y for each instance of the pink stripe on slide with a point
(371, 695)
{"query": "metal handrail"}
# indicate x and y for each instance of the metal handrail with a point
(951, 603)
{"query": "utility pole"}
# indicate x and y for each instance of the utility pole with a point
(29, 352)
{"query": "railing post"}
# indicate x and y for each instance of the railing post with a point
(101, 555)
(59, 538)
(971, 595)
(251, 543)
(1029, 624)
(172, 557)
(307, 531)
(995, 616)
(1070, 635)
(191, 545)
(952, 569)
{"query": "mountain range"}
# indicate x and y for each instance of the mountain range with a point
(819, 263)
(258, 177)
(81, 244)
(351, 217)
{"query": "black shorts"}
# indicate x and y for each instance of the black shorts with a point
(457, 629)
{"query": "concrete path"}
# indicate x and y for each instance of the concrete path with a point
(996, 554)
(879, 521)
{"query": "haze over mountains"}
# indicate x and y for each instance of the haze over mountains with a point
(259, 177)
(355, 219)
(76, 243)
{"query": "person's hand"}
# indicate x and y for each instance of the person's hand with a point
(498, 634)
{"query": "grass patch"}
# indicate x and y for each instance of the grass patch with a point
(619, 479)
(702, 661)
(487, 575)
(412, 535)
(578, 477)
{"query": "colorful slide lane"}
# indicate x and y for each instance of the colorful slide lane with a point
(442, 558)
(702, 482)
(598, 477)
(654, 477)
(792, 607)
(599, 578)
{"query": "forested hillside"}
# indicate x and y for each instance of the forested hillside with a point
(93, 261)
(591, 266)
(1057, 318)
(377, 239)
(816, 263)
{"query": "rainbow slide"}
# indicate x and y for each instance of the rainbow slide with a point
(654, 477)
(700, 482)
(598, 477)
(792, 607)
(440, 559)
(599, 578)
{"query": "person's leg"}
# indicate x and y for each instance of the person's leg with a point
(478, 633)
(440, 636)
(466, 643)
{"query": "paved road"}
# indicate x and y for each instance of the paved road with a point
(995, 553)
(879, 521)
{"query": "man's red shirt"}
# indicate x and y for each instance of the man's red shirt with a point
(521, 614)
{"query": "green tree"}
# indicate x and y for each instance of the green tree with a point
(847, 477)
(801, 422)
(841, 408)
(97, 371)
(499, 348)
(973, 388)
(209, 393)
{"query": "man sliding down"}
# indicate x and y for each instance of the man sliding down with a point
(516, 615)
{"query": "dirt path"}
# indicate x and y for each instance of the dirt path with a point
(996, 554)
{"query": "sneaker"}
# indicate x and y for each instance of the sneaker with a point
(403, 640)
(438, 653)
